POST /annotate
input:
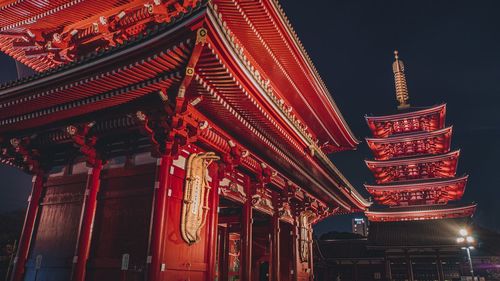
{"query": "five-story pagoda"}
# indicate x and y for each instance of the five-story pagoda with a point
(414, 166)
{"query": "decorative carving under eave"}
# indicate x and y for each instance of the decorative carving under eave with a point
(169, 131)
(285, 212)
(20, 154)
(262, 201)
(61, 45)
(233, 189)
(86, 143)
(233, 159)
(305, 234)
(195, 200)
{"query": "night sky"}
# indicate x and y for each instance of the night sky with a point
(451, 51)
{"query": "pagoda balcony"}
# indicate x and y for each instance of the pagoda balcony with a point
(435, 142)
(436, 166)
(425, 120)
(413, 213)
(429, 192)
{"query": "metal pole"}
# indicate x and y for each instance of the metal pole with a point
(470, 263)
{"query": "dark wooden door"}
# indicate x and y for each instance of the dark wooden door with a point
(122, 223)
(55, 234)
(286, 251)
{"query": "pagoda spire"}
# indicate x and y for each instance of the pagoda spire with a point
(400, 82)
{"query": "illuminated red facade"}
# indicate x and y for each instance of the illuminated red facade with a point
(169, 140)
(414, 167)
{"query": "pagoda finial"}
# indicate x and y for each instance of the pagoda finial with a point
(400, 82)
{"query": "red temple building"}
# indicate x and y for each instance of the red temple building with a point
(170, 140)
(416, 218)
(414, 167)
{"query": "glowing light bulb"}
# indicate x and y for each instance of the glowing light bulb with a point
(463, 232)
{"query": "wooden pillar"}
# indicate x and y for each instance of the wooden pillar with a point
(85, 235)
(439, 266)
(355, 270)
(409, 266)
(295, 249)
(388, 271)
(214, 221)
(28, 227)
(159, 217)
(275, 258)
(246, 251)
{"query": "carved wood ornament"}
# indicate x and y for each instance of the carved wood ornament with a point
(196, 191)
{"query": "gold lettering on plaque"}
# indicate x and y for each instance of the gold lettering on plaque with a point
(195, 200)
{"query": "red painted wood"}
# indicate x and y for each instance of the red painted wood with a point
(122, 224)
(29, 223)
(214, 219)
(159, 217)
(181, 260)
(275, 250)
(246, 238)
(88, 220)
(285, 251)
(295, 250)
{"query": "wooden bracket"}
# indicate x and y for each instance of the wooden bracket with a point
(86, 143)
(21, 153)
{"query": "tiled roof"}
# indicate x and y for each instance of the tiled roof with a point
(155, 30)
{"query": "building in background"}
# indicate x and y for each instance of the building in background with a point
(417, 215)
(360, 226)
(417, 218)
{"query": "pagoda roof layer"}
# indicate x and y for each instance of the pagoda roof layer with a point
(431, 191)
(429, 119)
(425, 212)
(433, 142)
(434, 166)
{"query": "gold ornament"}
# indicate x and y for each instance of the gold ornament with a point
(196, 191)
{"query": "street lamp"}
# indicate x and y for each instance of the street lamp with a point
(467, 243)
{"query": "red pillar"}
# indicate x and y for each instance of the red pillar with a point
(214, 221)
(295, 249)
(85, 236)
(275, 267)
(159, 217)
(29, 224)
(246, 250)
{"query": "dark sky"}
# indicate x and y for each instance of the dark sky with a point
(451, 53)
